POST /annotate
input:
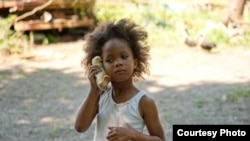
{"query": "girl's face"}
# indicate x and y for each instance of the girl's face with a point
(118, 60)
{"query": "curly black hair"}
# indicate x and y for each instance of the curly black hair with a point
(124, 29)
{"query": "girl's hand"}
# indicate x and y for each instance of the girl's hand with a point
(92, 71)
(119, 134)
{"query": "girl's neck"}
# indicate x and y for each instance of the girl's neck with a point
(123, 91)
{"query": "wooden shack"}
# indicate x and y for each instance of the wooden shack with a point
(32, 15)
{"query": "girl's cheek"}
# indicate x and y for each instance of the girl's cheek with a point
(106, 68)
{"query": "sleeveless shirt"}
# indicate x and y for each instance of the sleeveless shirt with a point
(111, 114)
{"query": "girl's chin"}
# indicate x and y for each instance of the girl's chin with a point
(120, 80)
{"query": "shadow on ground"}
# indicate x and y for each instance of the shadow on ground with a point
(40, 104)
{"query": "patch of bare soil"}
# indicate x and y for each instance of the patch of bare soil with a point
(40, 92)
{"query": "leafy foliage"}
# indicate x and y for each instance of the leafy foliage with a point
(11, 42)
(165, 22)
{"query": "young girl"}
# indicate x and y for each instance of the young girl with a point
(122, 110)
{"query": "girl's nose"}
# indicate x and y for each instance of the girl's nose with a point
(118, 62)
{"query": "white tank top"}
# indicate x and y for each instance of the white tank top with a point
(111, 114)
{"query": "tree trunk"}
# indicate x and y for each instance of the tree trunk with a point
(233, 11)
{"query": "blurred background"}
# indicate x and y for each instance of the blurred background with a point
(199, 73)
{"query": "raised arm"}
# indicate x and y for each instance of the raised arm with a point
(89, 108)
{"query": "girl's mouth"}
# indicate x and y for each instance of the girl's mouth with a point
(120, 71)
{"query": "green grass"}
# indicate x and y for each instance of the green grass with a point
(239, 94)
(200, 103)
(5, 75)
(54, 132)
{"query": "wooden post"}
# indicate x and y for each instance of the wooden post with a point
(31, 43)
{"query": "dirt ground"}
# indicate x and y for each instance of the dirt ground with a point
(39, 95)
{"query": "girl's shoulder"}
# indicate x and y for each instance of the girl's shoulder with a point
(146, 99)
(147, 104)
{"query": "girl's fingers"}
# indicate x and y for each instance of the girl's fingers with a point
(92, 71)
(110, 128)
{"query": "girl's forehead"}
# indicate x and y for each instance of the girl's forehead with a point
(115, 45)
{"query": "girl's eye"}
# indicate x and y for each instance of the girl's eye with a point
(109, 60)
(124, 57)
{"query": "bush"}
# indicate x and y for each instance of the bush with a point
(11, 42)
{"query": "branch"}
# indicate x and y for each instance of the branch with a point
(27, 14)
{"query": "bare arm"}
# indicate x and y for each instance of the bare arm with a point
(149, 113)
(89, 107)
